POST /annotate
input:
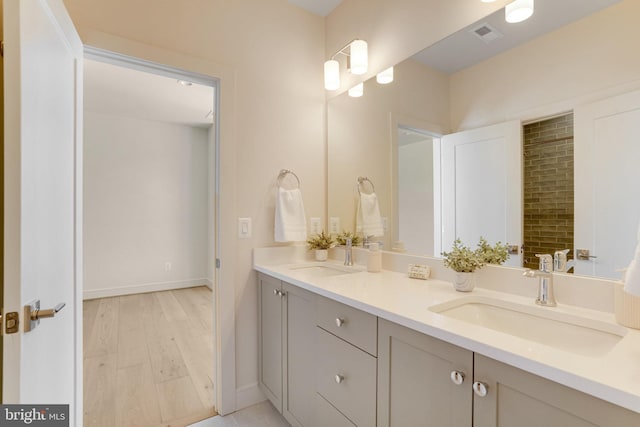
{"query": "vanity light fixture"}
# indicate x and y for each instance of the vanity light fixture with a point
(357, 91)
(518, 11)
(331, 74)
(357, 63)
(385, 77)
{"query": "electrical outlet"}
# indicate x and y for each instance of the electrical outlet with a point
(167, 266)
(334, 225)
(315, 225)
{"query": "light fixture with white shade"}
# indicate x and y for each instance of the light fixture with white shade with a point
(331, 74)
(385, 76)
(357, 91)
(359, 58)
(357, 55)
(518, 11)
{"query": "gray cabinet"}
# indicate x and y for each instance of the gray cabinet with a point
(415, 386)
(270, 338)
(428, 382)
(516, 398)
(287, 349)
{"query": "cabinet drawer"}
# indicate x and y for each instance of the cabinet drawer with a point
(350, 324)
(346, 378)
(327, 415)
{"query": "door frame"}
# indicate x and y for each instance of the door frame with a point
(224, 307)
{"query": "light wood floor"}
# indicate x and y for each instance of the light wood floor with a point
(148, 359)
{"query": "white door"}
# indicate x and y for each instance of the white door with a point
(482, 187)
(42, 58)
(607, 173)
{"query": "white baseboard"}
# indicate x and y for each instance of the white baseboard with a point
(249, 395)
(209, 283)
(142, 288)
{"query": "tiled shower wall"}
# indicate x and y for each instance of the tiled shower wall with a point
(548, 187)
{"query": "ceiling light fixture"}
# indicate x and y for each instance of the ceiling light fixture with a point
(357, 63)
(357, 91)
(487, 1)
(518, 11)
(385, 77)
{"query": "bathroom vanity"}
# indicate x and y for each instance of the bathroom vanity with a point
(341, 347)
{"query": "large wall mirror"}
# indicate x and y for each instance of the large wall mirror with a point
(438, 142)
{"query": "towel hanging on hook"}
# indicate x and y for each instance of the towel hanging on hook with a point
(290, 218)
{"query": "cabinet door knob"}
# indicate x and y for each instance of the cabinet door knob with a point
(457, 377)
(480, 389)
(339, 322)
(339, 379)
(278, 293)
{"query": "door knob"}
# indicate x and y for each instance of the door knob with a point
(33, 314)
(457, 377)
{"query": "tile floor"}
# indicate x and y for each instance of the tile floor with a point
(260, 415)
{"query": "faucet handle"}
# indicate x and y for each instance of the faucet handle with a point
(546, 262)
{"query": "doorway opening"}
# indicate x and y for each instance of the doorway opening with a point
(418, 190)
(150, 167)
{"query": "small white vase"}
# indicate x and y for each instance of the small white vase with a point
(322, 254)
(464, 282)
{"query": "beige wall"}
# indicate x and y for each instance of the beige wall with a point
(145, 204)
(398, 29)
(591, 59)
(270, 54)
(360, 134)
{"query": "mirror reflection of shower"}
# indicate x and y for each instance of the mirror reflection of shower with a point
(418, 191)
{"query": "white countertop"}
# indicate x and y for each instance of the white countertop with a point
(614, 377)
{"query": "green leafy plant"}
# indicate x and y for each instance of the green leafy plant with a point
(341, 238)
(321, 240)
(496, 254)
(462, 259)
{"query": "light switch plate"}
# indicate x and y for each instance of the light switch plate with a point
(334, 225)
(244, 228)
(315, 225)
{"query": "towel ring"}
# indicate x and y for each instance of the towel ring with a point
(361, 181)
(283, 173)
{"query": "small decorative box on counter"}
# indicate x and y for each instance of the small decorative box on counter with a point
(419, 271)
(626, 308)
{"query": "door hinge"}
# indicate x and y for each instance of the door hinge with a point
(2, 48)
(12, 322)
(217, 262)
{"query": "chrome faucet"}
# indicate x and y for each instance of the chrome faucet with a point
(560, 263)
(545, 281)
(348, 256)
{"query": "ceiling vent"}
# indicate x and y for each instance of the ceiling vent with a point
(486, 33)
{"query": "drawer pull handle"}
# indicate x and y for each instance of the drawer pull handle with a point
(339, 379)
(480, 389)
(457, 377)
(339, 322)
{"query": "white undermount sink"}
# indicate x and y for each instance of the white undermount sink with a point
(321, 269)
(543, 325)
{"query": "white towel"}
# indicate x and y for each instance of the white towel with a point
(291, 221)
(368, 219)
(632, 275)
